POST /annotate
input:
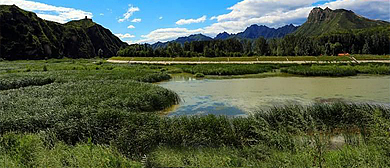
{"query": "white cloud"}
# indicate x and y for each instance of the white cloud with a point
(373, 9)
(190, 21)
(129, 13)
(101, 14)
(131, 27)
(214, 18)
(160, 17)
(167, 34)
(49, 12)
(124, 36)
(272, 13)
(129, 42)
(136, 20)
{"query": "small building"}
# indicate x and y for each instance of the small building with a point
(343, 54)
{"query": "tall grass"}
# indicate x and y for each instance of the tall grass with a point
(35, 108)
(217, 69)
(338, 70)
(71, 122)
(24, 82)
(29, 150)
(315, 70)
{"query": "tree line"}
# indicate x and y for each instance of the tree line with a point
(372, 41)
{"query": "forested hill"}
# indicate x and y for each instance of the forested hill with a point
(23, 35)
(326, 21)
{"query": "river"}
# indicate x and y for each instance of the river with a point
(240, 97)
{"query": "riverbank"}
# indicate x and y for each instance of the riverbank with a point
(252, 60)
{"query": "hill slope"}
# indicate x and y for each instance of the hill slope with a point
(23, 35)
(324, 21)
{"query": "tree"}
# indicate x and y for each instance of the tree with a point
(337, 48)
(100, 53)
(366, 48)
(261, 46)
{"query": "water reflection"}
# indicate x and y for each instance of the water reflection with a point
(237, 97)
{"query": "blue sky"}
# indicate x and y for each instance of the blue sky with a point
(149, 21)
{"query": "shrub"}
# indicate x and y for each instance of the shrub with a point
(199, 75)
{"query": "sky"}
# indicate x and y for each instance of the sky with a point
(150, 21)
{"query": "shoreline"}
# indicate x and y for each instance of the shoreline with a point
(245, 62)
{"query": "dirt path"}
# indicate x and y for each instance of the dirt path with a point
(245, 62)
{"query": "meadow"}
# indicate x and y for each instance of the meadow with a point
(89, 113)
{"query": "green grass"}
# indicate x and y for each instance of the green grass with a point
(33, 150)
(369, 57)
(97, 114)
(222, 70)
(315, 70)
(24, 82)
(338, 70)
(347, 156)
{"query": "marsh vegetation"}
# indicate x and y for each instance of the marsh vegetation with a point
(91, 113)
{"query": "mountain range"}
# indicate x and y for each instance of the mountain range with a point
(23, 35)
(256, 31)
(252, 32)
(320, 21)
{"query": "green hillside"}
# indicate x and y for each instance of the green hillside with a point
(325, 21)
(23, 35)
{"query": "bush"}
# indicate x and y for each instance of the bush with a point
(199, 75)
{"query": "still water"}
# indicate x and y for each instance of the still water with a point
(240, 97)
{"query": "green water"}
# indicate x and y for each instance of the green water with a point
(235, 97)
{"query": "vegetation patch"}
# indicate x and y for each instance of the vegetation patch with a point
(314, 70)
(108, 116)
(35, 150)
(338, 70)
(216, 69)
(24, 82)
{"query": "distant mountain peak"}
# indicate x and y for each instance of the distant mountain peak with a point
(193, 37)
(222, 36)
(255, 31)
(319, 15)
(322, 21)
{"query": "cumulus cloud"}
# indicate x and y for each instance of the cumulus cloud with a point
(129, 42)
(131, 27)
(129, 13)
(190, 21)
(373, 9)
(124, 36)
(136, 20)
(213, 18)
(167, 34)
(49, 12)
(272, 13)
